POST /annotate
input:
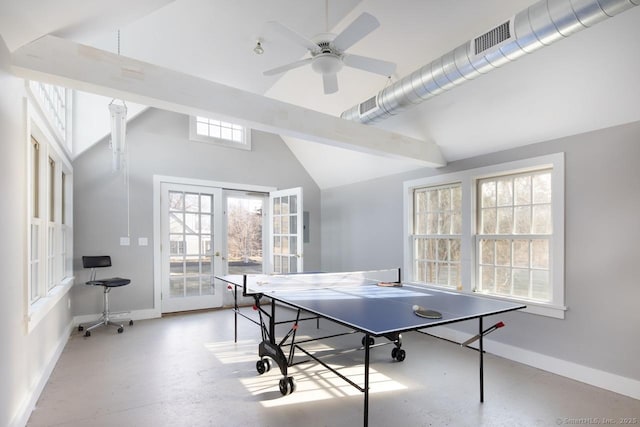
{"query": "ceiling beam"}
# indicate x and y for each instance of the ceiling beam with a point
(66, 63)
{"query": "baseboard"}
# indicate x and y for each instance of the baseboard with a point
(29, 403)
(595, 377)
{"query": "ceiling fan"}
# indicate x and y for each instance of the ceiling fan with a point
(328, 54)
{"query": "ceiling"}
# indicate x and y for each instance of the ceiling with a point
(586, 82)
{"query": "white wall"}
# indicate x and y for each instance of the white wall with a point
(26, 358)
(158, 144)
(362, 229)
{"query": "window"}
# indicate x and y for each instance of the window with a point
(436, 235)
(203, 129)
(55, 104)
(35, 221)
(50, 234)
(514, 231)
(496, 231)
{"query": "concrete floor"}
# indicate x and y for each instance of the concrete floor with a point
(186, 370)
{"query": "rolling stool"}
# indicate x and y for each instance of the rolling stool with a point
(94, 262)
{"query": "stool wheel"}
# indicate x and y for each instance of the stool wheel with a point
(130, 322)
(80, 328)
(87, 334)
(120, 329)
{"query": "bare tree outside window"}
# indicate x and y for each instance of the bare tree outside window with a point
(244, 238)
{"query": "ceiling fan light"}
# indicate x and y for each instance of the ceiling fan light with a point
(326, 64)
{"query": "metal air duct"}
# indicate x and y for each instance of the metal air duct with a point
(539, 25)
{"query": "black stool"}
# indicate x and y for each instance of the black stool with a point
(94, 262)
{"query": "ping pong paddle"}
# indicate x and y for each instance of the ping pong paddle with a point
(426, 313)
(390, 284)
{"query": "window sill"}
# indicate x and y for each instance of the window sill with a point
(533, 307)
(39, 309)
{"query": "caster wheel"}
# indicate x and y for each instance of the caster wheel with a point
(394, 352)
(400, 355)
(120, 329)
(80, 328)
(371, 341)
(267, 364)
(284, 386)
(287, 385)
(130, 322)
(261, 367)
(87, 334)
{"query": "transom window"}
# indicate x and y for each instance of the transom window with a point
(204, 129)
(55, 102)
(496, 231)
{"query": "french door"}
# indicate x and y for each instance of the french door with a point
(286, 231)
(191, 251)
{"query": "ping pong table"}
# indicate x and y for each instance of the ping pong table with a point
(375, 304)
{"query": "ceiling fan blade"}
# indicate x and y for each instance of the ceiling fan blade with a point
(330, 82)
(287, 67)
(372, 65)
(294, 36)
(359, 28)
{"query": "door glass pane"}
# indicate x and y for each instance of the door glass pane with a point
(193, 245)
(176, 286)
(176, 201)
(191, 202)
(176, 222)
(193, 286)
(205, 203)
(205, 224)
(293, 204)
(293, 245)
(190, 251)
(191, 221)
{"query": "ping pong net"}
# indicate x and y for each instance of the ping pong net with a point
(266, 283)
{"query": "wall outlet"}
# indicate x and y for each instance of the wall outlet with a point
(124, 241)
(143, 241)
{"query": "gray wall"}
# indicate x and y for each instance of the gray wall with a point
(25, 357)
(362, 229)
(158, 143)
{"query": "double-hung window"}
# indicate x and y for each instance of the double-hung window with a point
(496, 231)
(437, 224)
(514, 232)
(50, 204)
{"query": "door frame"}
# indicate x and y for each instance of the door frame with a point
(158, 180)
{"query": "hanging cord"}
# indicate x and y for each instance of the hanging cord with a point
(127, 183)
(326, 15)
(125, 158)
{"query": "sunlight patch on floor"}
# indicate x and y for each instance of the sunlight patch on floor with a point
(231, 352)
(314, 382)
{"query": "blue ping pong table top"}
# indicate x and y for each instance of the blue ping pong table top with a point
(380, 310)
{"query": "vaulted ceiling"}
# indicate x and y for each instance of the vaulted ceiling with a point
(589, 81)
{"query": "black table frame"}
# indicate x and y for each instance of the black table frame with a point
(270, 347)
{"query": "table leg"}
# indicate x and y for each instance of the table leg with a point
(366, 379)
(481, 352)
(235, 312)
